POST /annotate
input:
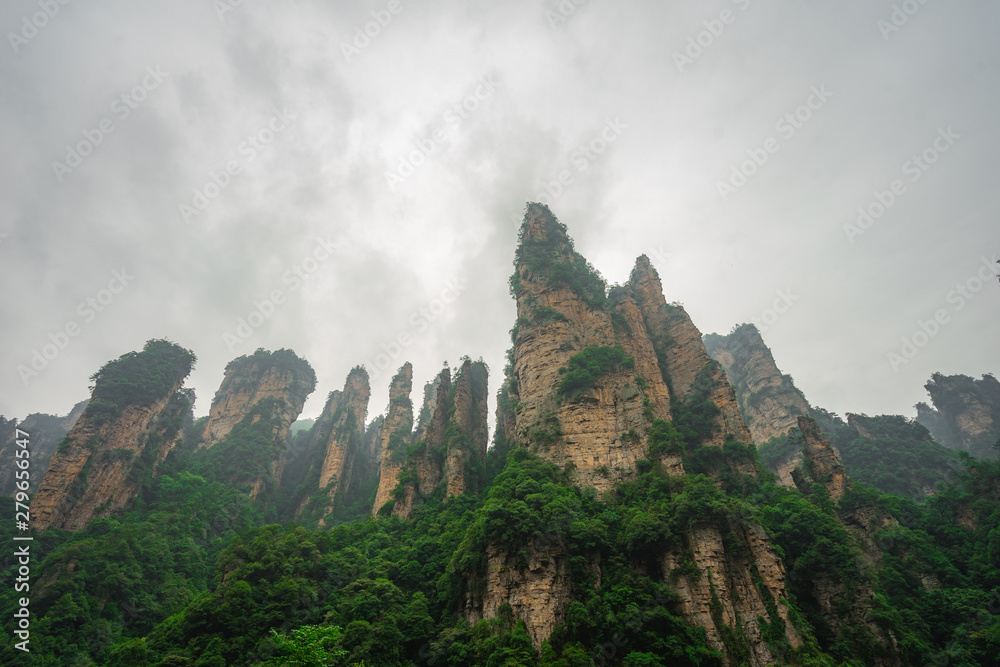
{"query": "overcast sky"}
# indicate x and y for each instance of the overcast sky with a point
(177, 162)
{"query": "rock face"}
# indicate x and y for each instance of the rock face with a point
(842, 607)
(727, 591)
(966, 413)
(251, 379)
(600, 431)
(822, 462)
(118, 441)
(683, 356)
(45, 433)
(536, 593)
(346, 463)
(395, 436)
(768, 400)
(448, 446)
(259, 398)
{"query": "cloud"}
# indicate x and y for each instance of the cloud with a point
(653, 189)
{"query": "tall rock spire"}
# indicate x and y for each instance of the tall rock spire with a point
(129, 426)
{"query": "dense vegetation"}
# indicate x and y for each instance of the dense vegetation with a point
(552, 257)
(138, 378)
(896, 455)
(192, 576)
(583, 370)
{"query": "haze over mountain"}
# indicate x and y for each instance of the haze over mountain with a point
(601, 98)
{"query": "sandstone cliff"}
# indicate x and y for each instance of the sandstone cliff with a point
(562, 311)
(966, 413)
(247, 427)
(683, 357)
(345, 466)
(589, 378)
(128, 427)
(46, 432)
(250, 379)
(822, 463)
(448, 446)
(394, 438)
(768, 400)
(731, 591)
(843, 605)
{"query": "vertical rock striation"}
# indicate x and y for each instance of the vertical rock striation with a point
(768, 400)
(251, 379)
(346, 466)
(562, 312)
(395, 437)
(683, 357)
(575, 401)
(247, 428)
(448, 447)
(132, 421)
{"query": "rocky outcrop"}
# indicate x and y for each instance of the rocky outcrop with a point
(466, 448)
(118, 441)
(45, 432)
(843, 605)
(966, 413)
(448, 446)
(768, 400)
(728, 591)
(537, 591)
(245, 436)
(345, 465)
(254, 378)
(600, 431)
(394, 438)
(822, 463)
(683, 356)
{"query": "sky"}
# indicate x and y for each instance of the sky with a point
(346, 180)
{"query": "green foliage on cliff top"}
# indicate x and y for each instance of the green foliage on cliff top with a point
(249, 367)
(551, 256)
(138, 378)
(900, 458)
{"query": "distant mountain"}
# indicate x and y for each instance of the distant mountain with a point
(45, 433)
(966, 413)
